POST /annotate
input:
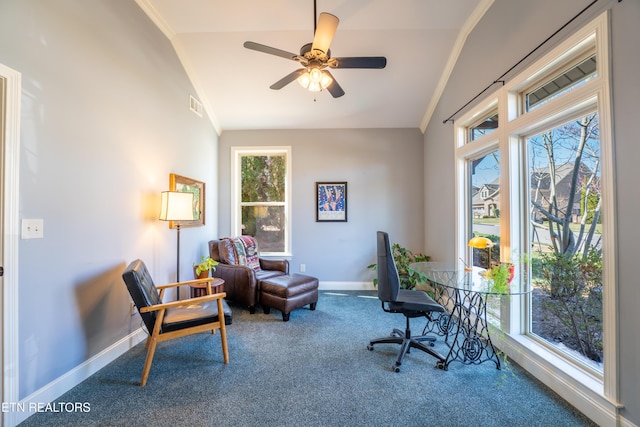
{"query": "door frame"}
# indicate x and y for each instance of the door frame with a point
(9, 235)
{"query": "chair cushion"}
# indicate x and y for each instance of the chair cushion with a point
(287, 286)
(416, 301)
(241, 250)
(142, 290)
(194, 315)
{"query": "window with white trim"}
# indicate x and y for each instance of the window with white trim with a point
(260, 200)
(539, 183)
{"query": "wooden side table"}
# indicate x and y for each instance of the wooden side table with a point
(200, 289)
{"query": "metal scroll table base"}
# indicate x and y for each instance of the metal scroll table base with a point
(464, 328)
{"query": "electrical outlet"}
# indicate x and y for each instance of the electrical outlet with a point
(132, 309)
(303, 268)
(32, 228)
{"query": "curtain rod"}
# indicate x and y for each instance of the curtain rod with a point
(501, 78)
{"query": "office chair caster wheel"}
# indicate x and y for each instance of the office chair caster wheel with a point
(395, 367)
(369, 347)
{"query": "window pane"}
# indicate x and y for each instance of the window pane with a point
(562, 83)
(566, 232)
(488, 125)
(485, 205)
(267, 225)
(263, 178)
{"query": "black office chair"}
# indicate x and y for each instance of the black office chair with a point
(408, 302)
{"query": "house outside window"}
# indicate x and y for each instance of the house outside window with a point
(261, 196)
(540, 185)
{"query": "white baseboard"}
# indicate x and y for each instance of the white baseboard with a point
(346, 286)
(66, 382)
(577, 388)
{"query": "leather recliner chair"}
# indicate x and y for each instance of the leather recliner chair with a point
(242, 283)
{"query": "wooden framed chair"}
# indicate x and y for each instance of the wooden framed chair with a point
(168, 320)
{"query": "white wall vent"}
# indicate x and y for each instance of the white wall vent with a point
(195, 105)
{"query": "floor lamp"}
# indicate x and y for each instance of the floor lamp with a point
(176, 206)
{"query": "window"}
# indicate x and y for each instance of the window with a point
(260, 198)
(566, 237)
(540, 185)
(484, 127)
(485, 204)
(563, 82)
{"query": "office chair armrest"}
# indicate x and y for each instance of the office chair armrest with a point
(182, 302)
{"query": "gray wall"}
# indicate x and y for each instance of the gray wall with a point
(383, 169)
(499, 41)
(105, 119)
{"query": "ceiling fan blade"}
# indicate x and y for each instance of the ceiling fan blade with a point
(270, 50)
(361, 62)
(334, 88)
(326, 29)
(287, 79)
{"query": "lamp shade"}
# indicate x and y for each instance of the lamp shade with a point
(480, 243)
(176, 206)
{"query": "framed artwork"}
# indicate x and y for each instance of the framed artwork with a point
(331, 201)
(188, 185)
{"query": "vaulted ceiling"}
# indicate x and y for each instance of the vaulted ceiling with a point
(420, 39)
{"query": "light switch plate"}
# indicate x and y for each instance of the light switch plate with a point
(32, 228)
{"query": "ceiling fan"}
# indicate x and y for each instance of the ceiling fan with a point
(315, 58)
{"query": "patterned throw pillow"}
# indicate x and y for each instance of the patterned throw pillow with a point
(252, 256)
(241, 250)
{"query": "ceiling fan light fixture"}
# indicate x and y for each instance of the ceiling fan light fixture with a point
(315, 87)
(326, 80)
(314, 79)
(304, 80)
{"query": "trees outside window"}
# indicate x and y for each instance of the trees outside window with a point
(261, 198)
(539, 183)
(565, 193)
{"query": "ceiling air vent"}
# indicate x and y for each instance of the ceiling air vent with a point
(195, 105)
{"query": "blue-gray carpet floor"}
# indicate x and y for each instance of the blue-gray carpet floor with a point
(314, 370)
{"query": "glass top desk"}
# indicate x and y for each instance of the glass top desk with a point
(464, 294)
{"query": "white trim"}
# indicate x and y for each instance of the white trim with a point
(66, 382)
(468, 26)
(578, 388)
(197, 85)
(598, 398)
(236, 220)
(157, 18)
(166, 29)
(346, 286)
(9, 205)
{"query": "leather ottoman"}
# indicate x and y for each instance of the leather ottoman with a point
(288, 292)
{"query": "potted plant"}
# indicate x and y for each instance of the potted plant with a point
(500, 275)
(204, 267)
(403, 257)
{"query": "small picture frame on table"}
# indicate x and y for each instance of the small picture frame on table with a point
(331, 201)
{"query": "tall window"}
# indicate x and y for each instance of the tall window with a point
(260, 206)
(539, 183)
(566, 237)
(485, 205)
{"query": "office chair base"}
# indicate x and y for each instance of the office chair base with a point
(406, 341)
